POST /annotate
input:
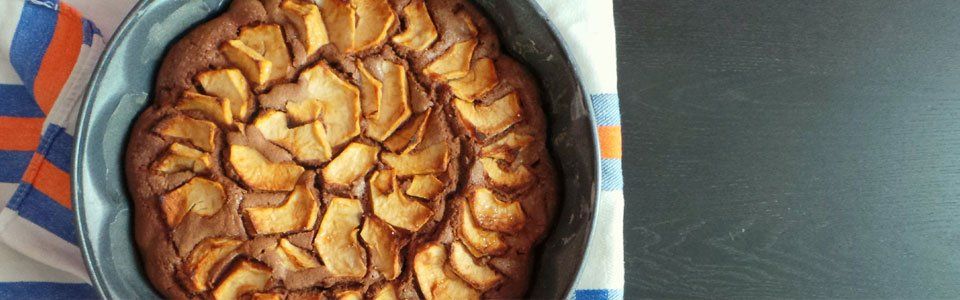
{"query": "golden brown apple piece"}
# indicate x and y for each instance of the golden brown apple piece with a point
(294, 258)
(505, 178)
(297, 213)
(204, 256)
(454, 63)
(228, 84)
(199, 196)
(253, 65)
(393, 108)
(481, 242)
(374, 19)
(336, 240)
(266, 296)
(409, 135)
(353, 163)
(490, 119)
(464, 264)
(349, 295)
(340, 19)
(431, 160)
(425, 186)
(493, 214)
(391, 206)
(384, 249)
(434, 280)
(481, 78)
(180, 157)
(387, 292)
(420, 32)
(244, 277)
(217, 109)
(199, 133)
(260, 173)
(371, 91)
(318, 90)
(309, 23)
(506, 148)
(308, 142)
(267, 40)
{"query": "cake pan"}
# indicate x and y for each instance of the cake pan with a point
(120, 88)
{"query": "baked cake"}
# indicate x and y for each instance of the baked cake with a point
(341, 149)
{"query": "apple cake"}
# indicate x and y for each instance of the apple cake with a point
(382, 149)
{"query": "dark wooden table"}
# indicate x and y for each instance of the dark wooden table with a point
(791, 148)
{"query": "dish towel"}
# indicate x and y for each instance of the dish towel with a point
(47, 53)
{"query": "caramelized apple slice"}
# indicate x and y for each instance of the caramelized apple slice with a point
(507, 147)
(491, 119)
(393, 107)
(454, 63)
(353, 163)
(431, 160)
(481, 78)
(387, 292)
(204, 257)
(425, 186)
(200, 133)
(384, 249)
(319, 89)
(504, 178)
(341, 22)
(297, 213)
(375, 17)
(199, 196)
(294, 258)
(267, 40)
(244, 277)
(493, 214)
(420, 32)
(349, 295)
(266, 296)
(336, 240)
(180, 157)
(260, 173)
(308, 143)
(371, 91)
(217, 109)
(309, 23)
(228, 84)
(435, 281)
(482, 242)
(390, 204)
(409, 135)
(465, 265)
(253, 65)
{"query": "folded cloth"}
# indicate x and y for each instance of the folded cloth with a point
(47, 52)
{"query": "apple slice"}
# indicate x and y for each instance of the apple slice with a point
(493, 214)
(309, 23)
(425, 186)
(349, 295)
(390, 204)
(308, 143)
(297, 213)
(420, 32)
(409, 135)
(267, 40)
(260, 173)
(204, 257)
(491, 119)
(375, 17)
(253, 65)
(336, 240)
(482, 242)
(393, 108)
(371, 91)
(434, 280)
(481, 78)
(180, 157)
(200, 133)
(431, 160)
(507, 148)
(228, 84)
(384, 249)
(464, 264)
(340, 19)
(387, 292)
(454, 63)
(199, 196)
(217, 109)
(294, 258)
(504, 178)
(318, 90)
(244, 277)
(266, 296)
(353, 163)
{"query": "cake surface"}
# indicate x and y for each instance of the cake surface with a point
(382, 149)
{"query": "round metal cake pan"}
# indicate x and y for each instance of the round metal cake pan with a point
(121, 86)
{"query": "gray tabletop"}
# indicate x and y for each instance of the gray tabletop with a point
(791, 148)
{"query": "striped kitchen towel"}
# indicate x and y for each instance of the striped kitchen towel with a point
(48, 52)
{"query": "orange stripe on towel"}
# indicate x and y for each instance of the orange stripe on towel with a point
(20, 134)
(611, 143)
(48, 179)
(60, 57)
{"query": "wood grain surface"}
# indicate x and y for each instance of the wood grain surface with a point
(792, 148)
